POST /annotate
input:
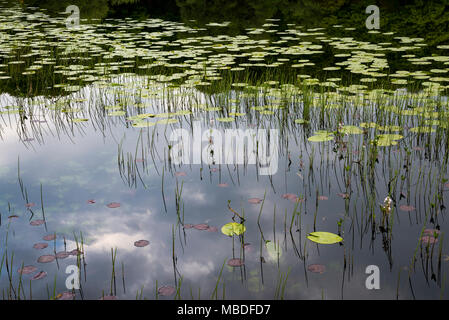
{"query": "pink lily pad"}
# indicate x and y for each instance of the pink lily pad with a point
(255, 200)
(166, 290)
(27, 270)
(65, 296)
(180, 174)
(188, 226)
(75, 252)
(62, 255)
(37, 222)
(30, 205)
(323, 198)
(39, 275)
(429, 239)
(343, 195)
(431, 232)
(212, 229)
(201, 226)
(40, 245)
(46, 258)
(406, 208)
(236, 262)
(90, 201)
(141, 243)
(113, 205)
(223, 185)
(316, 268)
(49, 237)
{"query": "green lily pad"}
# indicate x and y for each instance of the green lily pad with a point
(351, 130)
(324, 237)
(385, 140)
(232, 228)
(321, 136)
(301, 121)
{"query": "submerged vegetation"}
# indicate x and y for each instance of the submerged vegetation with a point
(363, 146)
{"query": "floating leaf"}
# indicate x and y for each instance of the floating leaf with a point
(75, 252)
(46, 258)
(351, 130)
(37, 222)
(324, 237)
(40, 245)
(201, 226)
(39, 275)
(385, 140)
(255, 200)
(90, 201)
(232, 228)
(212, 229)
(166, 291)
(141, 243)
(49, 237)
(321, 138)
(113, 205)
(65, 296)
(236, 262)
(223, 185)
(27, 270)
(301, 121)
(407, 208)
(62, 255)
(316, 268)
(428, 239)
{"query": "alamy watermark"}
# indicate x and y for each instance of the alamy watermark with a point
(238, 146)
(373, 20)
(373, 280)
(73, 280)
(73, 21)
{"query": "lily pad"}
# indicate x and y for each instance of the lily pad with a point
(255, 200)
(166, 290)
(27, 270)
(236, 262)
(406, 208)
(39, 275)
(232, 228)
(324, 237)
(40, 245)
(49, 237)
(141, 243)
(351, 130)
(37, 222)
(113, 205)
(46, 258)
(316, 268)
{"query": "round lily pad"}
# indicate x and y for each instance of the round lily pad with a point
(236, 262)
(46, 258)
(324, 237)
(166, 290)
(141, 243)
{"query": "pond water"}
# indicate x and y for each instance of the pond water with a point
(344, 136)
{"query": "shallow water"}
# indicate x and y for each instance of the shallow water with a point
(60, 164)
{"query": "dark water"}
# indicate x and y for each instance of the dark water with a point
(58, 163)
